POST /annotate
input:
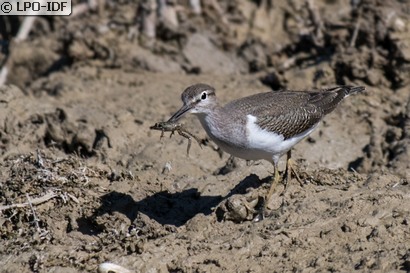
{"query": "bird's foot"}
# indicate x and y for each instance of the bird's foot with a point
(265, 212)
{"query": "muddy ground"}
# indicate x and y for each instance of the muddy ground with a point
(83, 180)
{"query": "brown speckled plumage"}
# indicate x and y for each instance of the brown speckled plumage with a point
(290, 113)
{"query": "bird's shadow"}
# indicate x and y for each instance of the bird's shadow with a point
(165, 208)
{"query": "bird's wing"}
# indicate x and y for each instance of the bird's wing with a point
(290, 113)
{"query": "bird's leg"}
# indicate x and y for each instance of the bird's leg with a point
(290, 167)
(273, 185)
(276, 177)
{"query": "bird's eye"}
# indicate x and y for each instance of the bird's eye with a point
(203, 96)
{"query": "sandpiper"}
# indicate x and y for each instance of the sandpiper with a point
(262, 126)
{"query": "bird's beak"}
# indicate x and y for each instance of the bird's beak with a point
(184, 109)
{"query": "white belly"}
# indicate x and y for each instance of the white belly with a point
(269, 145)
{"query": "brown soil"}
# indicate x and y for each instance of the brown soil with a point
(76, 144)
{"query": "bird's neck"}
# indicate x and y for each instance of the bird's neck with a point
(212, 119)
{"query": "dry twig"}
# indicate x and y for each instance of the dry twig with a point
(36, 220)
(317, 22)
(36, 201)
(356, 29)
